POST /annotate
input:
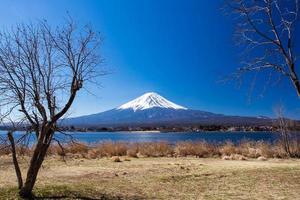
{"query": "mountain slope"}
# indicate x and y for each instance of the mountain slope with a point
(153, 109)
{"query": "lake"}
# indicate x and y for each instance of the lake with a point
(94, 137)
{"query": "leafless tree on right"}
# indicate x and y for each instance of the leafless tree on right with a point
(266, 31)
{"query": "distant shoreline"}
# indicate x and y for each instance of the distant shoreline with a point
(158, 131)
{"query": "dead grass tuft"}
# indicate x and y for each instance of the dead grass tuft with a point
(200, 149)
(228, 148)
(156, 149)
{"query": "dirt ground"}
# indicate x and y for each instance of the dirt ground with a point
(159, 178)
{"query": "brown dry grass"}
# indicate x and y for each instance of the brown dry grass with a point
(159, 178)
(248, 149)
(200, 149)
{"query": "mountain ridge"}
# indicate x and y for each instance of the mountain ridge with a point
(153, 109)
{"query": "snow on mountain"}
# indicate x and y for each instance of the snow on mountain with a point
(150, 100)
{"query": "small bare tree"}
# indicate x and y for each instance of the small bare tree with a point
(42, 69)
(283, 127)
(266, 28)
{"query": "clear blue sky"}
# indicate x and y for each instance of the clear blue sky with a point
(179, 49)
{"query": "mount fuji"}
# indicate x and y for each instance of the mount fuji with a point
(153, 109)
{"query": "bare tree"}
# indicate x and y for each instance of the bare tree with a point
(286, 128)
(42, 69)
(283, 126)
(266, 28)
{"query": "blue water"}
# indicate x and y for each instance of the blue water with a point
(94, 137)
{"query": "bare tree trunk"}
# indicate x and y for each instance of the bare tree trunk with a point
(284, 130)
(286, 142)
(34, 167)
(15, 160)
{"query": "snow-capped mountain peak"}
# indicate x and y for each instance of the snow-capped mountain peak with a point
(150, 100)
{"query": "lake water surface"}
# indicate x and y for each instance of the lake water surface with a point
(94, 137)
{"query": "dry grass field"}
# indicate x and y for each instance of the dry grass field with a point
(159, 178)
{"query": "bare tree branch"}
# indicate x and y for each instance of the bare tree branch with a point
(266, 30)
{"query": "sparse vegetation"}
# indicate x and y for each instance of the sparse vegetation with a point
(158, 178)
(201, 149)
